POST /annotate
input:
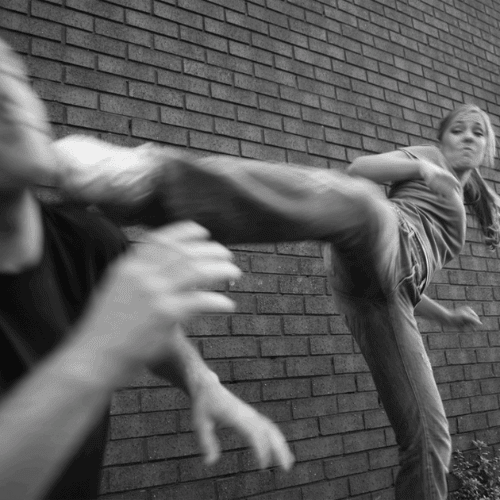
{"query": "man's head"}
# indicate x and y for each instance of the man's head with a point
(26, 157)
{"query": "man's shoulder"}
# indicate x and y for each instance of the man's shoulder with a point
(84, 230)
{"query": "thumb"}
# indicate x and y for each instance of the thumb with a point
(207, 439)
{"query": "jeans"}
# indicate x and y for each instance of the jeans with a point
(374, 266)
(386, 332)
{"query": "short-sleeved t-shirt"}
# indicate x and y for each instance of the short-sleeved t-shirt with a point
(40, 305)
(440, 223)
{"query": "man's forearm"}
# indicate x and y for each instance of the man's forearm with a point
(46, 416)
(184, 366)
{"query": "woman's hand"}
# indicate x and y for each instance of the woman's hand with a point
(442, 182)
(463, 318)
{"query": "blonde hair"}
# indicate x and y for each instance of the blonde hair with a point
(483, 200)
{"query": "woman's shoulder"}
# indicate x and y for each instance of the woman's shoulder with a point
(428, 152)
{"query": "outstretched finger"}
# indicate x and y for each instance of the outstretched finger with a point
(207, 439)
(182, 306)
(204, 274)
(179, 231)
(280, 450)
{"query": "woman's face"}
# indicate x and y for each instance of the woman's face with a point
(464, 141)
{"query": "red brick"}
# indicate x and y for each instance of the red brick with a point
(332, 344)
(142, 424)
(124, 451)
(204, 490)
(244, 484)
(131, 495)
(358, 401)
(95, 6)
(177, 445)
(320, 447)
(163, 399)
(349, 363)
(302, 285)
(364, 441)
(229, 347)
(178, 16)
(255, 325)
(142, 475)
(160, 133)
(280, 304)
(258, 369)
(339, 424)
(370, 481)
(300, 429)
(284, 347)
(125, 402)
(303, 325)
(192, 469)
(333, 384)
(346, 465)
(303, 473)
(308, 367)
(314, 407)
(333, 490)
(285, 389)
(468, 423)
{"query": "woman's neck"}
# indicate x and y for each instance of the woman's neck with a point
(463, 176)
(21, 231)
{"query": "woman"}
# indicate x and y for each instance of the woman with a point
(380, 253)
(425, 224)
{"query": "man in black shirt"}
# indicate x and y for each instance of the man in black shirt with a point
(80, 315)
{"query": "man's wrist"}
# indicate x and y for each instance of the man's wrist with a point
(203, 381)
(92, 366)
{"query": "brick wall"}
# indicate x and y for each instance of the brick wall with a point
(315, 82)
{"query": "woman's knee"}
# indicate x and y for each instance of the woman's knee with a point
(368, 205)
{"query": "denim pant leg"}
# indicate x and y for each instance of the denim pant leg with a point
(386, 331)
(389, 339)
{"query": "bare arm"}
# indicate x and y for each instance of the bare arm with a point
(45, 417)
(462, 317)
(214, 406)
(397, 166)
(386, 167)
(430, 309)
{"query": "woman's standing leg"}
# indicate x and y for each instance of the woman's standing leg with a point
(389, 339)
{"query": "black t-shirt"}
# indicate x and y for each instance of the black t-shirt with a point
(40, 305)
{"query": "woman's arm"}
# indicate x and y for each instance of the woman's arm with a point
(387, 167)
(462, 317)
(397, 166)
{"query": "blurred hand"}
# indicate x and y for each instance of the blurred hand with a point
(463, 318)
(214, 406)
(442, 182)
(152, 287)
